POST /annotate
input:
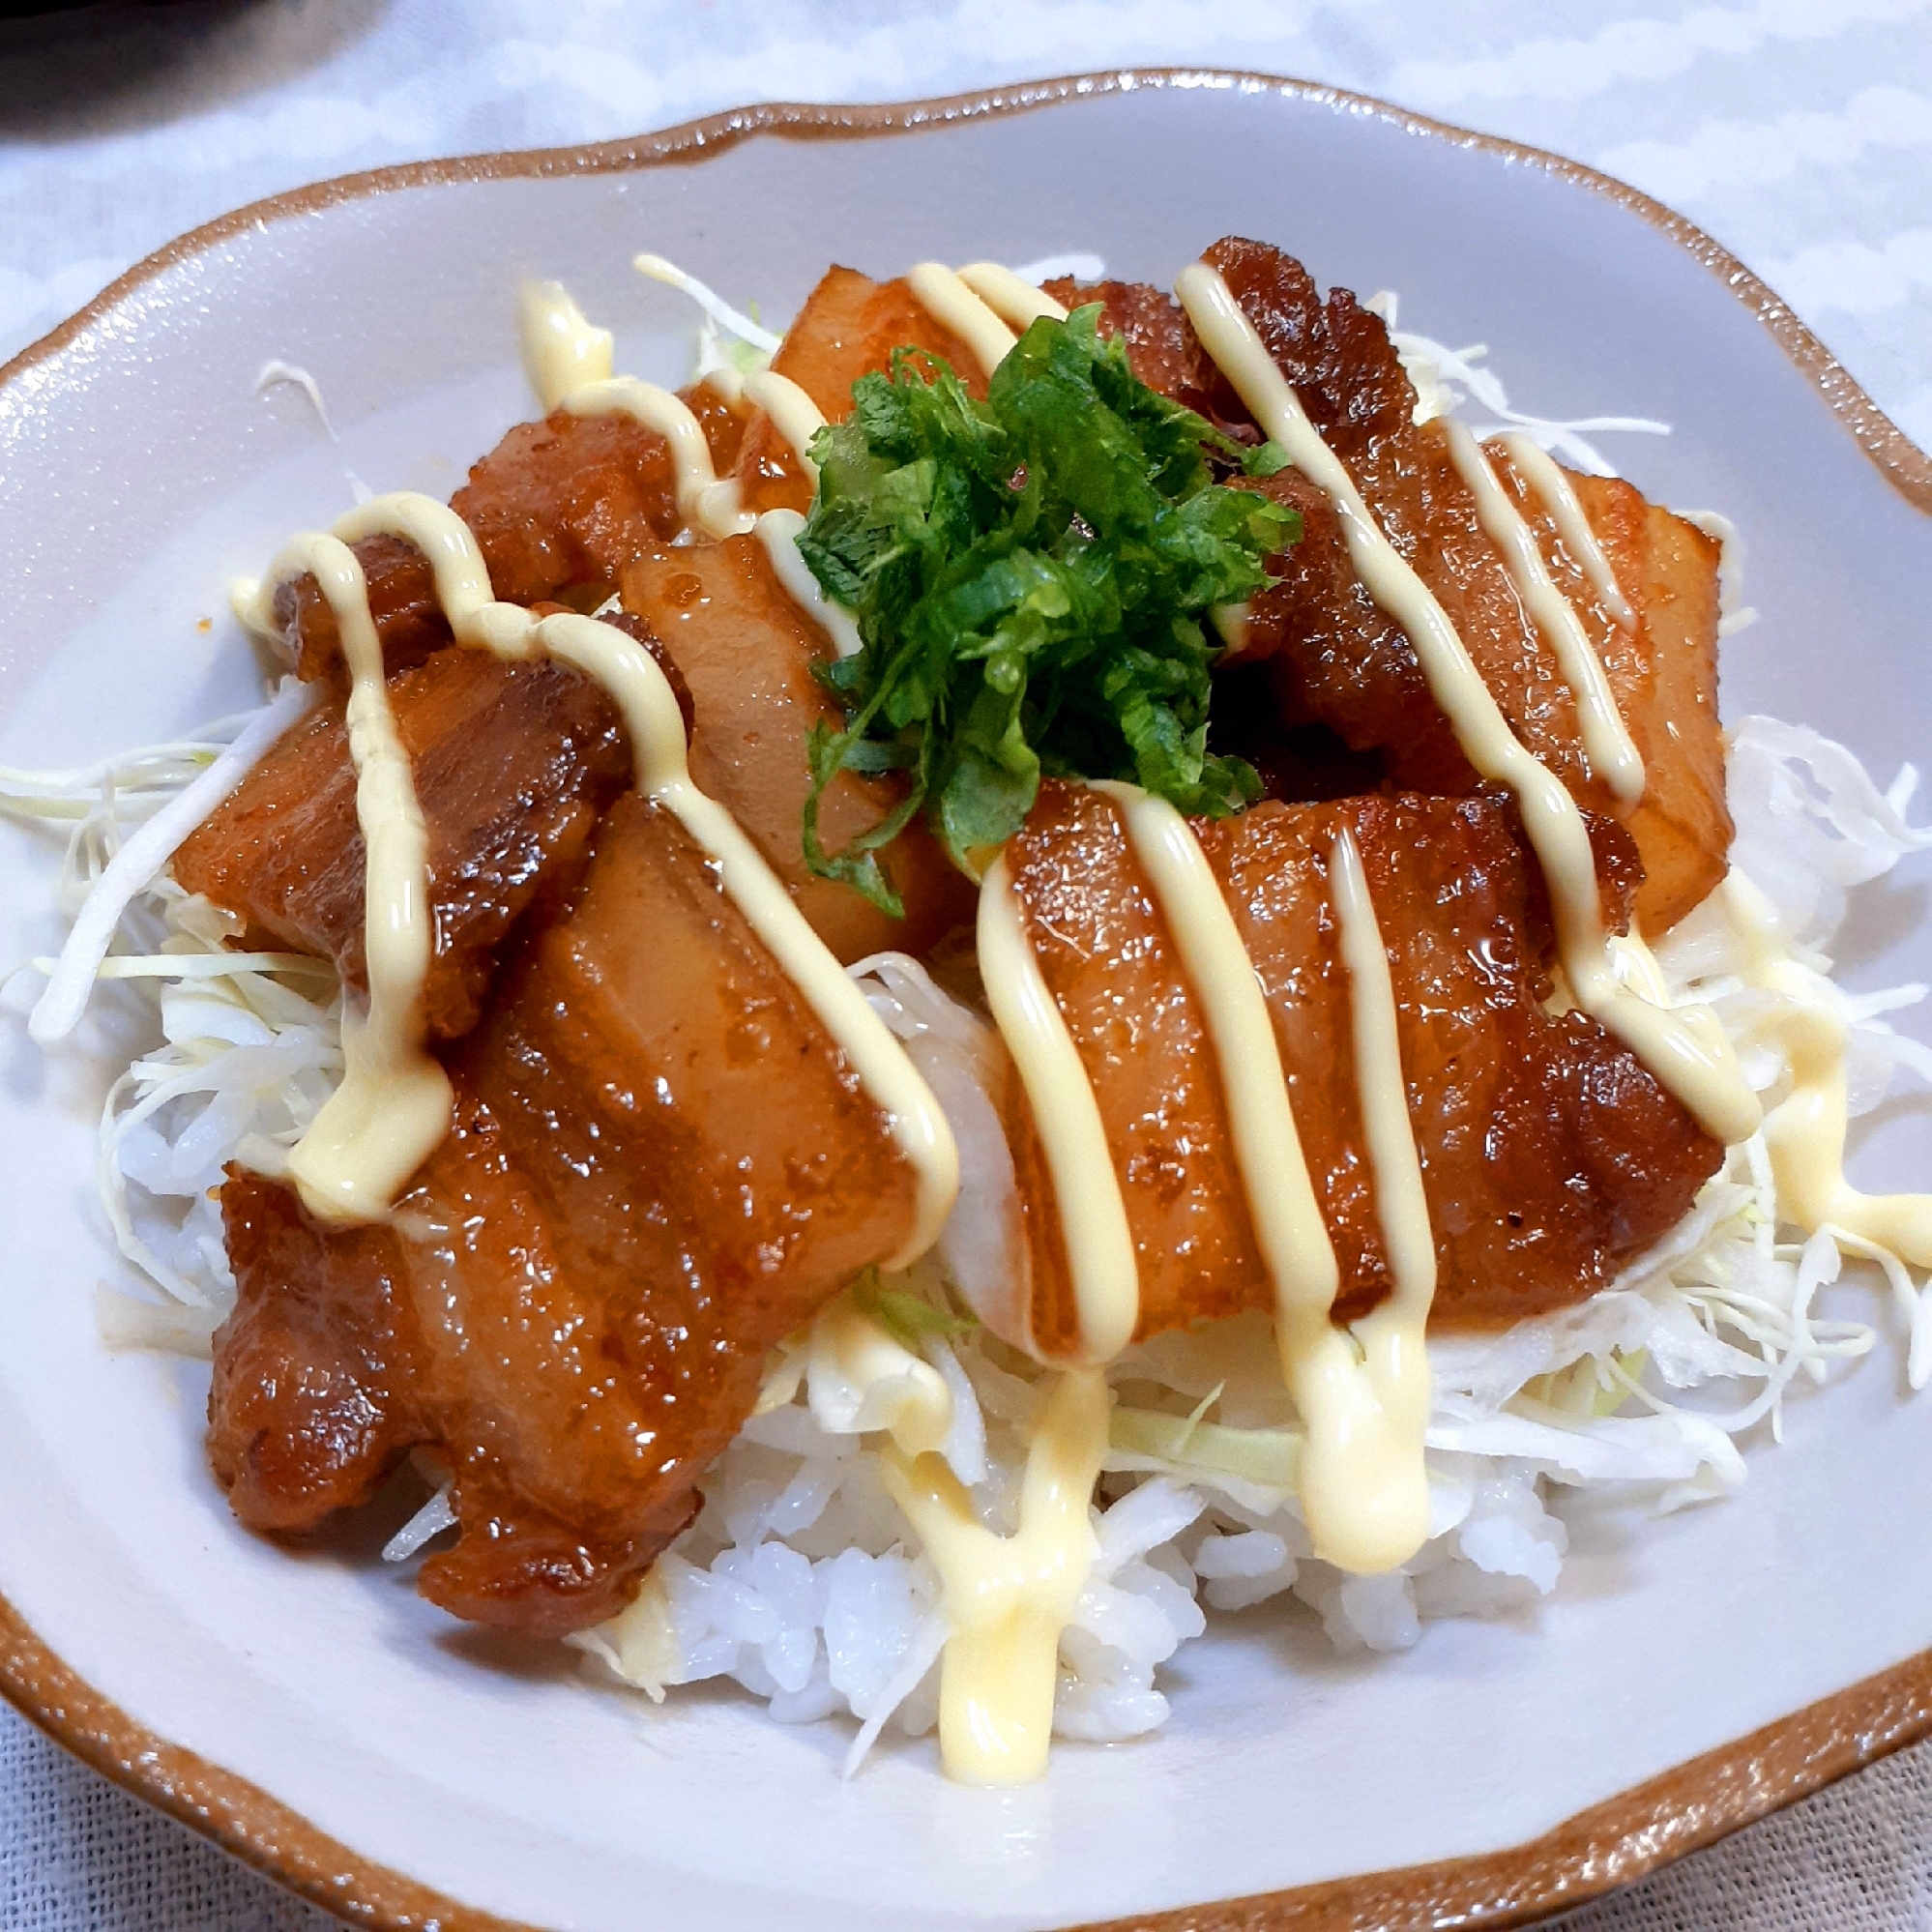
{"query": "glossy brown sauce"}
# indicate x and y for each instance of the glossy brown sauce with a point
(1548, 1150)
(661, 1166)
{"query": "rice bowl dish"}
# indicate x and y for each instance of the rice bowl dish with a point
(804, 1576)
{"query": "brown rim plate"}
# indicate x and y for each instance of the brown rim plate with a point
(1593, 1851)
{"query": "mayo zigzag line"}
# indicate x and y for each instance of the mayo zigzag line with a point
(1685, 1048)
(656, 726)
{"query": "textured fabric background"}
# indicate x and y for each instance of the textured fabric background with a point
(1798, 132)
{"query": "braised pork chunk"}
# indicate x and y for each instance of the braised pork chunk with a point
(661, 1163)
(568, 500)
(849, 326)
(1548, 1150)
(1161, 347)
(1664, 674)
(409, 622)
(1339, 662)
(746, 652)
(660, 1166)
(511, 763)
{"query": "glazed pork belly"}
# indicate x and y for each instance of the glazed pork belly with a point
(409, 621)
(513, 763)
(660, 1166)
(1548, 1150)
(561, 506)
(746, 652)
(1665, 673)
(849, 326)
(1339, 662)
(1161, 347)
(558, 505)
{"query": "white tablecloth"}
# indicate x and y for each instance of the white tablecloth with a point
(1798, 132)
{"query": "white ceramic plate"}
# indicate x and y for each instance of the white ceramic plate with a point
(316, 1715)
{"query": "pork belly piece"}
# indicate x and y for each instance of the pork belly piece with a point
(512, 762)
(409, 622)
(1342, 662)
(1362, 675)
(746, 651)
(568, 500)
(1549, 1153)
(1161, 347)
(564, 503)
(1665, 673)
(849, 325)
(1338, 663)
(661, 1165)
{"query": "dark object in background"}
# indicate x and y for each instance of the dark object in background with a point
(21, 9)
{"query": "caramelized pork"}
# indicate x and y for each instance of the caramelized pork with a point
(1358, 672)
(849, 326)
(661, 1165)
(1161, 347)
(1548, 1150)
(1339, 662)
(512, 763)
(568, 500)
(409, 622)
(746, 652)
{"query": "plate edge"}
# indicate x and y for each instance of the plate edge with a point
(240, 1817)
(1609, 1845)
(1904, 465)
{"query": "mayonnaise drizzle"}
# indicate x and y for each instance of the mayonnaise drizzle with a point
(1606, 740)
(649, 712)
(954, 304)
(1686, 1049)
(794, 415)
(1544, 475)
(1015, 300)
(1364, 1493)
(1805, 1133)
(561, 350)
(1363, 1482)
(703, 501)
(1093, 1217)
(1280, 1193)
(569, 365)
(394, 1105)
(1007, 1598)
(779, 532)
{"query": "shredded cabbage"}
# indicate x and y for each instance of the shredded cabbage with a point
(245, 1047)
(1444, 379)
